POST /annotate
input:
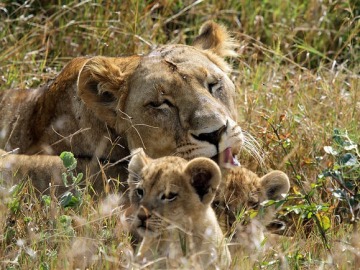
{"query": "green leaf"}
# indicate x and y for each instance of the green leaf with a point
(27, 219)
(330, 150)
(69, 200)
(65, 220)
(253, 213)
(339, 194)
(78, 178)
(68, 160)
(325, 221)
(64, 179)
(337, 137)
(310, 49)
(44, 266)
(279, 203)
(267, 203)
(46, 199)
(14, 205)
(350, 147)
(348, 159)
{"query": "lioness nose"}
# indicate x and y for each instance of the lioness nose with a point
(212, 137)
(143, 214)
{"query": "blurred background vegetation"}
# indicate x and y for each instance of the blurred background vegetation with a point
(45, 34)
(298, 83)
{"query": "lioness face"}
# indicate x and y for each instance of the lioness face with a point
(177, 100)
(185, 102)
(170, 191)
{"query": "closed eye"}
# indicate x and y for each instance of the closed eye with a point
(169, 197)
(166, 104)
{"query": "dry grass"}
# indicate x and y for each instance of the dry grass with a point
(297, 80)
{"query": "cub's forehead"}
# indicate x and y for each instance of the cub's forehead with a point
(167, 169)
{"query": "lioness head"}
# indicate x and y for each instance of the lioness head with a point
(171, 191)
(177, 100)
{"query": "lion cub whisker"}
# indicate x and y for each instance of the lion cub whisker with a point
(171, 210)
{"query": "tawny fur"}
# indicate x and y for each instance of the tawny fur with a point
(172, 199)
(242, 190)
(100, 108)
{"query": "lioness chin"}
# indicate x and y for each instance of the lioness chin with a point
(177, 100)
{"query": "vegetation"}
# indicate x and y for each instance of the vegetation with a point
(298, 94)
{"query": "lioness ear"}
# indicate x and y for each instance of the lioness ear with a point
(275, 184)
(103, 85)
(215, 38)
(138, 161)
(205, 177)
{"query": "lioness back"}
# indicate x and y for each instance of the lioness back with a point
(172, 200)
(101, 108)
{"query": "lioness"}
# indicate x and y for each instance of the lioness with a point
(177, 100)
(241, 193)
(172, 199)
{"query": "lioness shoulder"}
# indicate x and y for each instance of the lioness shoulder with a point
(172, 199)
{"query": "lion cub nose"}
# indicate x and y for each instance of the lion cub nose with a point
(212, 137)
(143, 214)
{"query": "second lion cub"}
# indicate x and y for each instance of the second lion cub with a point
(172, 201)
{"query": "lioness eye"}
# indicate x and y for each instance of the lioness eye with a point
(139, 192)
(213, 87)
(170, 197)
(161, 105)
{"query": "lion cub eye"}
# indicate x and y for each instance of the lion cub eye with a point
(170, 197)
(253, 205)
(139, 192)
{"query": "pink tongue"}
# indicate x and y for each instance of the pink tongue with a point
(228, 158)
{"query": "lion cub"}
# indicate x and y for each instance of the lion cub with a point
(172, 201)
(240, 196)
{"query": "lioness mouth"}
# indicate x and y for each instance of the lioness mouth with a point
(226, 159)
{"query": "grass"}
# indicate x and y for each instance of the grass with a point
(297, 80)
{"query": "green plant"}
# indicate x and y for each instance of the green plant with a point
(343, 172)
(72, 197)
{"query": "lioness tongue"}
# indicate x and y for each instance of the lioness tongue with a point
(227, 159)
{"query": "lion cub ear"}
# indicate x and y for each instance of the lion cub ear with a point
(205, 177)
(138, 161)
(214, 37)
(275, 184)
(102, 85)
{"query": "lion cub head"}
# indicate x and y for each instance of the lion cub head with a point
(172, 201)
(239, 203)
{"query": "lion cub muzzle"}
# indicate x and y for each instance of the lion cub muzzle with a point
(143, 216)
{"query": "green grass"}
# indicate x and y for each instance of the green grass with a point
(297, 78)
